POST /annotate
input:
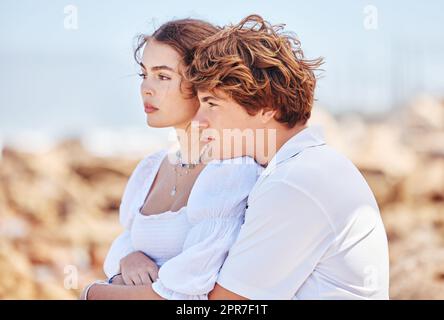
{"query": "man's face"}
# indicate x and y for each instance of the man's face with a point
(226, 126)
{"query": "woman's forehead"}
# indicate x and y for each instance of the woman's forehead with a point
(157, 54)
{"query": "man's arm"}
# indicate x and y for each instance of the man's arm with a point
(278, 246)
(121, 292)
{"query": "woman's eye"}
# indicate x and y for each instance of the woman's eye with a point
(142, 75)
(163, 77)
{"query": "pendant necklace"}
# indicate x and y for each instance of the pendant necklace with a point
(186, 166)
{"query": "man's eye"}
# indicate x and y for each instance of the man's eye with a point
(210, 104)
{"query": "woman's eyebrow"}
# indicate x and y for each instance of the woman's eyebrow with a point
(163, 67)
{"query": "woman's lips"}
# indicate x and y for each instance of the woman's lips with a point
(149, 108)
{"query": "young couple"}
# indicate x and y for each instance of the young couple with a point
(279, 215)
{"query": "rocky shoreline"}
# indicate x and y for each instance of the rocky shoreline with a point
(59, 209)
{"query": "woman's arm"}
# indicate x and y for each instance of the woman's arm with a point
(217, 211)
(120, 248)
(120, 292)
(220, 293)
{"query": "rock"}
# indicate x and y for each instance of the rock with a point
(13, 228)
(416, 253)
(59, 206)
(427, 184)
(16, 280)
(425, 113)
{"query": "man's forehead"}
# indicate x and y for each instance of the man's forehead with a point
(205, 95)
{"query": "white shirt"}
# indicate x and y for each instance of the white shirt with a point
(312, 230)
(190, 245)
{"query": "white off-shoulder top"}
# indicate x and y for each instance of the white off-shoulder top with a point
(189, 245)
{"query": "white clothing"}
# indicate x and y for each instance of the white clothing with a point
(312, 230)
(189, 245)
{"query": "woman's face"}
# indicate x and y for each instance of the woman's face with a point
(166, 105)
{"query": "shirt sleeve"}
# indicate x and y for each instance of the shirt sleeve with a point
(122, 245)
(216, 210)
(120, 248)
(285, 234)
(192, 274)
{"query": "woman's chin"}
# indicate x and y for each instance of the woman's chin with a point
(163, 123)
(154, 124)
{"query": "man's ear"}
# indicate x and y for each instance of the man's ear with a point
(267, 114)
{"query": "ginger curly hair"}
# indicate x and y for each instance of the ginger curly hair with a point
(258, 66)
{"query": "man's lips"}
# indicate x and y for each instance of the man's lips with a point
(149, 108)
(207, 139)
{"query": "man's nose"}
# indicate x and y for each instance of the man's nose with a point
(200, 121)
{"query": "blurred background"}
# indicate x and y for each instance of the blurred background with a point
(72, 126)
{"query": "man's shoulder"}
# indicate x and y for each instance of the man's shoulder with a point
(314, 168)
(325, 176)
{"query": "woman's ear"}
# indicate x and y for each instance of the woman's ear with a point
(267, 114)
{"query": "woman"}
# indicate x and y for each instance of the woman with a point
(178, 213)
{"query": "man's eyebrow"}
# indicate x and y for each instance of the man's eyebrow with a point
(206, 98)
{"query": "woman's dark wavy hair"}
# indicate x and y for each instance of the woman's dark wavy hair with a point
(183, 35)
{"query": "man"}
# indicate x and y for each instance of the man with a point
(312, 227)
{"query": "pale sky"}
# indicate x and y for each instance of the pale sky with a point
(53, 77)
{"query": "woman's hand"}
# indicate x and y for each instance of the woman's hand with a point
(118, 280)
(138, 269)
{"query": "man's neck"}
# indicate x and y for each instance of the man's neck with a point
(283, 134)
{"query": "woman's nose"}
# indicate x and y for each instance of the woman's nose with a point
(146, 89)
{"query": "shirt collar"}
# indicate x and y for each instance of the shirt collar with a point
(309, 137)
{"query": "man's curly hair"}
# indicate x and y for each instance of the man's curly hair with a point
(258, 66)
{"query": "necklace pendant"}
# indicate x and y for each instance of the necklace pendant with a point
(173, 191)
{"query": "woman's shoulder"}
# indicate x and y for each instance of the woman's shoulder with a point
(146, 166)
(148, 163)
(137, 184)
(151, 158)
